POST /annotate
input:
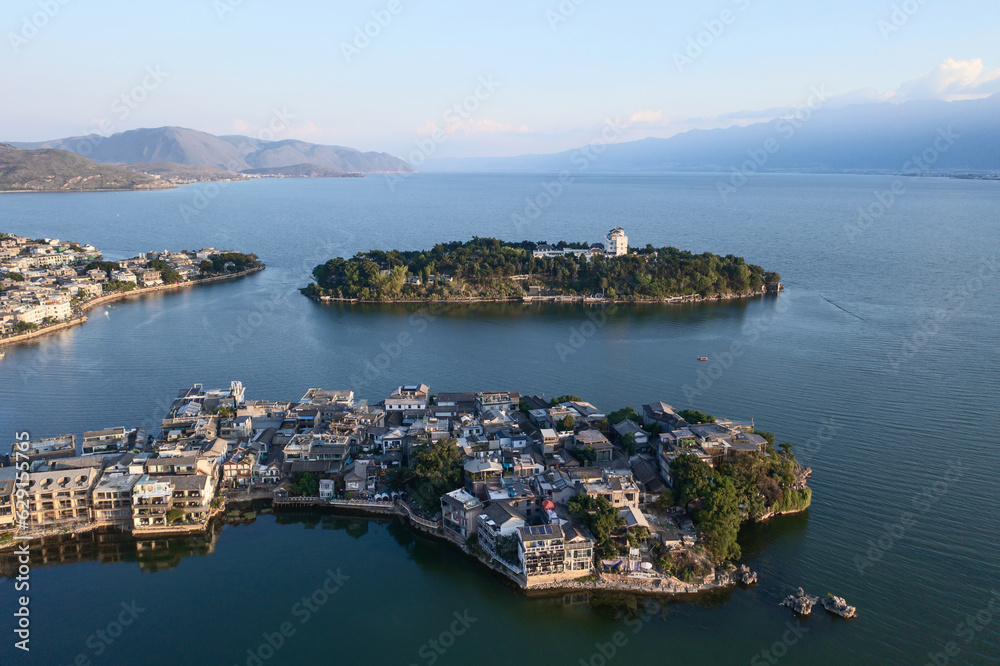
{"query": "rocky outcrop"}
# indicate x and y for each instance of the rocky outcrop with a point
(744, 576)
(838, 606)
(800, 602)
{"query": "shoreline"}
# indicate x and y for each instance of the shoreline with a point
(551, 300)
(81, 318)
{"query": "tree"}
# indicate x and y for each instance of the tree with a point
(695, 417)
(585, 454)
(567, 424)
(306, 485)
(507, 548)
(628, 443)
(564, 398)
(437, 469)
(692, 478)
(602, 519)
(174, 515)
(616, 417)
(16, 277)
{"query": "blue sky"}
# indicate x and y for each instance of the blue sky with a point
(559, 69)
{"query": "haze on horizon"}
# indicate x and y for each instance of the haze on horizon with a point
(539, 76)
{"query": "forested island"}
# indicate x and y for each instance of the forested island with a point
(491, 269)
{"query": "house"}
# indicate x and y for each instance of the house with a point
(327, 489)
(98, 442)
(356, 481)
(498, 520)
(111, 504)
(62, 446)
(505, 401)
(619, 489)
(550, 441)
(237, 470)
(616, 242)
(60, 497)
(7, 485)
(452, 405)
(594, 439)
(541, 550)
(663, 415)
(460, 511)
(630, 427)
(480, 473)
(409, 399)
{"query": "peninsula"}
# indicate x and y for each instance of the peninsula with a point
(487, 269)
(47, 284)
(552, 494)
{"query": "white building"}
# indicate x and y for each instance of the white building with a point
(616, 242)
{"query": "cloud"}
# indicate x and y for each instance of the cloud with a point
(645, 117)
(951, 80)
(240, 125)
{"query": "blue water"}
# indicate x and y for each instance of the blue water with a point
(879, 362)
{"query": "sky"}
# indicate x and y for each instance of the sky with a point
(474, 77)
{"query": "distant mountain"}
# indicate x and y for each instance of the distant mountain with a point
(63, 171)
(303, 171)
(859, 138)
(231, 153)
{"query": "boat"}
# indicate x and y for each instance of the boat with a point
(2, 354)
(702, 358)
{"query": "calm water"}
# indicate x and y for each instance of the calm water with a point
(879, 362)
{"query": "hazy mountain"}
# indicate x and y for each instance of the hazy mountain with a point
(867, 137)
(63, 171)
(232, 153)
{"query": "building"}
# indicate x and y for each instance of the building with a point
(413, 398)
(541, 550)
(594, 439)
(237, 471)
(112, 500)
(616, 242)
(619, 489)
(62, 446)
(460, 511)
(60, 497)
(498, 521)
(99, 442)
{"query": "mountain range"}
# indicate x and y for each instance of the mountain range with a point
(179, 145)
(872, 137)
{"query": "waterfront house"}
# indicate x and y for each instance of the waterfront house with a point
(60, 497)
(327, 489)
(7, 485)
(497, 400)
(112, 500)
(497, 521)
(99, 442)
(62, 446)
(237, 470)
(460, 512)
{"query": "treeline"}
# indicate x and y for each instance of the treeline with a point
(216, 265)
(485, 268)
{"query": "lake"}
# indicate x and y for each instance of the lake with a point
(879, 363)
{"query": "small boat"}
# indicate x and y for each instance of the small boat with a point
(702, 358)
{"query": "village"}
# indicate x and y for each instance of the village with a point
(549, 493)
(48, 283)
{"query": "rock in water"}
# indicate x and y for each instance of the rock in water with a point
(745, 576)
(800, 602)
(838, 606)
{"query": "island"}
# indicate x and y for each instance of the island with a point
(487, 269)
(551, 494)
(47, 284)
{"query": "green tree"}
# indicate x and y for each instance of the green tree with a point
(564, 398)
(174, 515)
(695, 417)
(567, 424)
(306, 485)
(602, 519)
(616, 417)
(628, 444)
